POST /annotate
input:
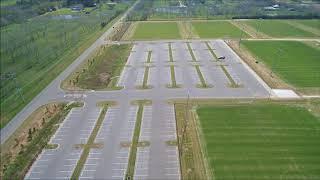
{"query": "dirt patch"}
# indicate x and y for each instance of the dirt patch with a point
(22, 136)
(249, 30)
(261, 69)
(130, 31)
(186, 30)
(192, 160)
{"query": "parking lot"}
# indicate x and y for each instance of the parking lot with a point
(60, 162)
(157, 155)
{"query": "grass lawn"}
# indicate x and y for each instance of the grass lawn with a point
(314, 23)
(261, 141)
(297, 63)
(278, 28)
(217, 29)
(157, 30)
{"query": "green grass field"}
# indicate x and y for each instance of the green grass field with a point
(295, 62)
(217, 29)
(314, 23)
(156, 30)
(278, 28)
(270, 141)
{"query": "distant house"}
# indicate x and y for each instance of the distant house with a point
(272, 8)
(78, 7)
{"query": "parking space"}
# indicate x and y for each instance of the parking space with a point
(178, 75)
(194, 76)
(60, 163)
(120, 160)
(181, 52)
(201, 51)
(152, 77)
(217, 75)
(172, 169)
(92, 161)
(140, 76)
(145, 130)
(169, 123)
(142, 163)
(233, 75)
(166, 76)
(143, 152)
(123, 77)
(88, 125)
(106, 127)
(64, 129)
(212, 45)
(206, 76)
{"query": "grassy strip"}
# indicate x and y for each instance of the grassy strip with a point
(173, 76)
(149, 56)
(233, 84)
(90, 143)
(145, 77)
(191, 52)
(211, 51)
(29, 152)
(203, 82)
(192, 162)
(170, 53)
(134, 144)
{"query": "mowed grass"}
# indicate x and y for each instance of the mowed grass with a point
(157, 30)
(278, 28)
(295, 62)
(270, 141)
(218, 29)
(314, 23)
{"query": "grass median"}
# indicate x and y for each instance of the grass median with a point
(134, 144)
(101, 71)
(86, 147)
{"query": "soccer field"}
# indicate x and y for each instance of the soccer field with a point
(295, 62)
(260, 141)
(279, 28)
(156, 30)
(218, 29)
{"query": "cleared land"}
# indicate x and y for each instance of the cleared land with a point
(278, 28)
(157, 30)
(101, 71)
(295, 62)
(261, 141)
(218, 29)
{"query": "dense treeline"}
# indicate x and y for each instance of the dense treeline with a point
(25, 9)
